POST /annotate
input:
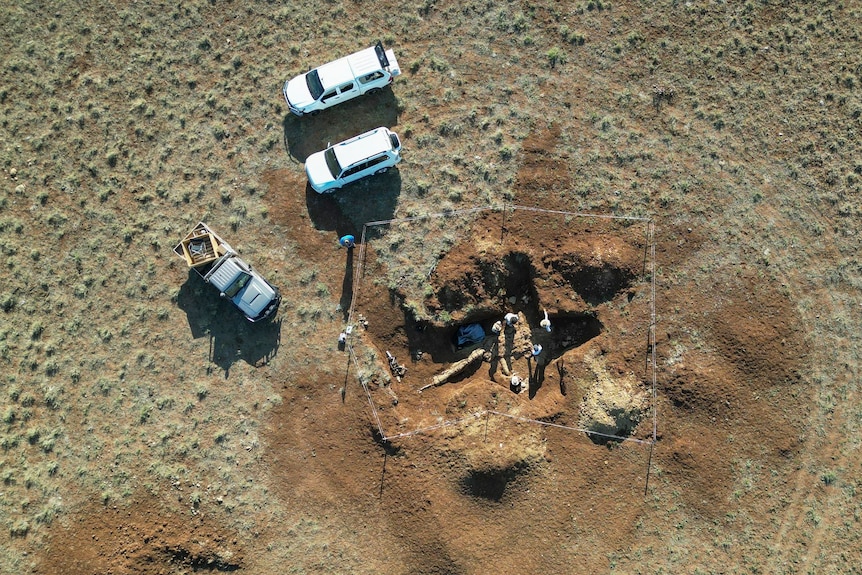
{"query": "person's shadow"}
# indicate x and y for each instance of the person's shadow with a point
(537, 376)
(347, 285)
(231, 336)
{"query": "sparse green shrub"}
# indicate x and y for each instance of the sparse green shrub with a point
(8, 442)
(220, 131)
(307, 276)
(51, 367)
(32, 435)
(437, 64)
(52, 397)
(47, 443)
(422, 187)
(576, 38)
(163, 403)
(7, 302)
(46, 515)
(36, 329)
(104, 386)
(20, 528)
(519, 24)
(144, 413)
(448, 129)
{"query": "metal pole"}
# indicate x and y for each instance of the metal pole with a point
(649, 465)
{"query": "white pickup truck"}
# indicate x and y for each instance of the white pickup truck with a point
(364, 72)
(218, 264)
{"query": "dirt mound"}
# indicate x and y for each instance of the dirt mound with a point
(597, 271)
(698, 463)
(612, 405)
(142, 539)
(496, 454)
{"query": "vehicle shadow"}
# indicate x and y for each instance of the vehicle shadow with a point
(371, 199)
(308, 134)
(231, 337)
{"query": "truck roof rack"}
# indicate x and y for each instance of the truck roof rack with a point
(381, 54)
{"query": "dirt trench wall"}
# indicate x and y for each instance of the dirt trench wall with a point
(574, 277)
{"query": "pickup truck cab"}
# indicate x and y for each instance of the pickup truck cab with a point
(363, 72)
(219, 265)
(373, 152)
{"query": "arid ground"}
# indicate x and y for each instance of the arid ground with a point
(147, 428)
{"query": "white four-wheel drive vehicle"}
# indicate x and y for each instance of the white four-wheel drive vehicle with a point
(218, 264)
(366, 71)
(373, 152)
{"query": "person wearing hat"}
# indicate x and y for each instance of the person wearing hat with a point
(546, 323)
(516, 384)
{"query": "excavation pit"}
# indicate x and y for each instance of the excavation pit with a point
(488, 483)
(438, 342)
(579, 287)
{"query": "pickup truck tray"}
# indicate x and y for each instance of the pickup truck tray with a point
(201, 246)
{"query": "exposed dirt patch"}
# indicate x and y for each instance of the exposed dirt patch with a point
(758, 335)
(577, 288)
(612, 406)
(588, 275)
(569, 268)
(140, 538)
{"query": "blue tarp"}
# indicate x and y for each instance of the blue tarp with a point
(469, 334)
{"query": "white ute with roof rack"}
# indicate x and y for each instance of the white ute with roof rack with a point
(363, 72)
(373, 152)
